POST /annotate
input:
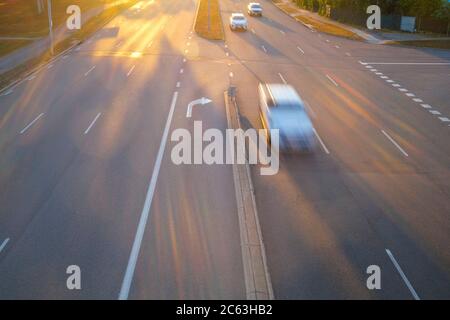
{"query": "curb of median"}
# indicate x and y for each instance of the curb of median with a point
(257, 278)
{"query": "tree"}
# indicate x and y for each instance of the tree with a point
(420, 8)
(443, 13)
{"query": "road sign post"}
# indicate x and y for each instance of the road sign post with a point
(50, 26)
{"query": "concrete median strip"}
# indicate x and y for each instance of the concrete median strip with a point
(257, 279)
(208, 21)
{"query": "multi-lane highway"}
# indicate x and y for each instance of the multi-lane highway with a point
(86, 176)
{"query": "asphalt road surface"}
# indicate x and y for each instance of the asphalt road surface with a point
(86, 176)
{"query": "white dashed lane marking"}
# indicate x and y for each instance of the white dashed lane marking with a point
(3, 245)
(31, 123)
(332, 80)
(411, 95)
(89, 71)
(395, 143)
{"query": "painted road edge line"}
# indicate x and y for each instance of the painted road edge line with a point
(395, 143)
(256, 273)
(128, 277)
(402, 274)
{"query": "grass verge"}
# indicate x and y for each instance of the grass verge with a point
(21, 17)
(90, 27)
(437, 44)
(208, 23)
(329, 28)
(7, 46)
(318, 25)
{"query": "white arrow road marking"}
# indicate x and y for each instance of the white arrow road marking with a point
(201, 101)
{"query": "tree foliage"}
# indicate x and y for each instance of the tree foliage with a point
(420, 9)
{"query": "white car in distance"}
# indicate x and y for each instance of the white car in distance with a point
(238, 21)
(254, 9)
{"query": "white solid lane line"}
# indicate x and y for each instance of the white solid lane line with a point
(332, 80)
(301, 50)
(128, 278)
(402, 274)
(92, 123)
(31, 123)
(395, 143)
(131, 70)
(89, 71)
(321, 142)
(282, 79)
(408, 63)
(3, 245)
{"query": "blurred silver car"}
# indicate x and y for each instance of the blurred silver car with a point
(282, 108)
(254, 9)
(238, 21)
